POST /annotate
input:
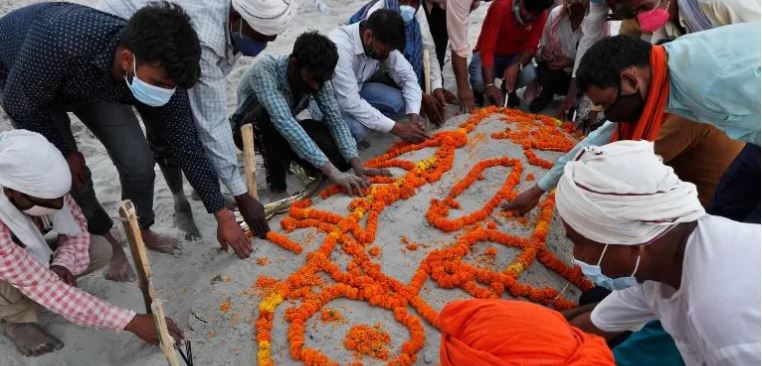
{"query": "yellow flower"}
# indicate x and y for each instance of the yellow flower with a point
(271, 302)
(263, 354)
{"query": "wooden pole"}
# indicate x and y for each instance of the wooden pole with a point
(152, 302)
(427, 78)
(249, 161)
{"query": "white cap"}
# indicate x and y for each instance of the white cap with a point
(269, 17)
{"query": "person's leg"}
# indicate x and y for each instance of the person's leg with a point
(359, 131)
(321, 134)
(546, 92)
(477, 80)
(117, 128)
(171, 171)
(276, 152)
(20, 316)
(737, 195)
(387, 99)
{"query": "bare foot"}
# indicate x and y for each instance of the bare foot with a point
(159, 242)
(184, 220)
(31, 340)
(119, 269)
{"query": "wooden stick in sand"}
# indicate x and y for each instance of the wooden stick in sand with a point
(427, 80)
(249, 161)
(152, 302)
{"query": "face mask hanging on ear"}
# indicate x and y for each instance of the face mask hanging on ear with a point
(407, 13)
(146, 93)
(651, 21)
(594, 273)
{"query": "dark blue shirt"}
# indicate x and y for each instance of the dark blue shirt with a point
(58, 56)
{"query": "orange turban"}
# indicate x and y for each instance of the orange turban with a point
(509, 332)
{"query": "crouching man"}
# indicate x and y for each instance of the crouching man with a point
(34, 185)
(278, 88)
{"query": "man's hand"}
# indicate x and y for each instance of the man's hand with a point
(433, 109)
(143, 326)
(229, 233)
(560, 63)
(64, 274)
(494, 95)
(525, 201)
(351, 183)
(253, 213)
(441, 96)
(466, 99)
(362, 171)
(510, 76)
(78, 169)
(410, 132)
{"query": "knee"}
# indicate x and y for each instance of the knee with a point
(100, 253)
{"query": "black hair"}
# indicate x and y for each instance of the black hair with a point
(161, 33)
(317, 54)
(387, 27)
(602, 63)
(537, 6)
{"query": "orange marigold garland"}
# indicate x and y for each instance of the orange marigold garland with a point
(369, 341)
(363, 279)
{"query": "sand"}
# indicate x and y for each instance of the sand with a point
(198, 281)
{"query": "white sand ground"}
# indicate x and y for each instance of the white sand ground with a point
(185, 281)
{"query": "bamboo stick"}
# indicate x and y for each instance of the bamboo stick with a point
(152, 303)
(249, 160)
(427, 80)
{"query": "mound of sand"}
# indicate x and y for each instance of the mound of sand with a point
(390, 260)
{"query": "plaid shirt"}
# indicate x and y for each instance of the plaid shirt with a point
(208, 98)
(44, 287)
(266, 84)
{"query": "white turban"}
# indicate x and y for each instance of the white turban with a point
(622, 193)
(269, 17)
(31, 165)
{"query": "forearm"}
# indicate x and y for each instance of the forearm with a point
(460, 69)
(488, 74)
(73, 250)
(585, 323)
(524, 57)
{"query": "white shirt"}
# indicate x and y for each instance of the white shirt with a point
(714, 317)
(209, 97)
(355, 68)
(435, 72)
(568, 38)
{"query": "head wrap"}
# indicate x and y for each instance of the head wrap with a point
(269, 17)
(622, 193)
(511, 333)
(33, 166)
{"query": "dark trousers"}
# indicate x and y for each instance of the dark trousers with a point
(554, 81)
(437, 19)
(277, 152)
(737, 195)
(117, 128)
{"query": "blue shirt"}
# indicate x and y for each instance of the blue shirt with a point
(58, 56)
(266, 85)
(714, 78)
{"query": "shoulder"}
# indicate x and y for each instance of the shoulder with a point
(78, 30)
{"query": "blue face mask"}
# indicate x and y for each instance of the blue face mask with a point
(407, 13)
(593, 272)
(146, 93)
(245, 45)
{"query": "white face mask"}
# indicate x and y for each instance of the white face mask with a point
(594, 273)
(40, 211)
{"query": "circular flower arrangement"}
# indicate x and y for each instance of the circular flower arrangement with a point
(363, 280)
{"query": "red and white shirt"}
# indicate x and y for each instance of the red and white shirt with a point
(44, 287)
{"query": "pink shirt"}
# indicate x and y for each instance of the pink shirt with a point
(457, 25)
